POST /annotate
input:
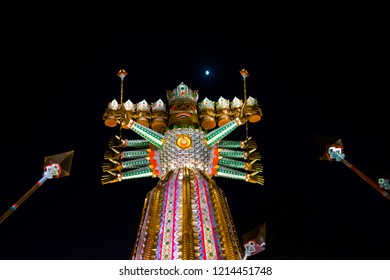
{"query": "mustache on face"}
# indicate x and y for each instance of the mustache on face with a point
(182, 114)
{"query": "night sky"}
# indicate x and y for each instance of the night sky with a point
(319, 75)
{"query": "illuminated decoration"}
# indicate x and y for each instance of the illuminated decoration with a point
(335, 152)
(186, 215)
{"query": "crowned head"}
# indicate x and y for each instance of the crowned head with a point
(182, 93)
(182, 102)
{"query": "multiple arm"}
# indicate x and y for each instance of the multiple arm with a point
(138, 161)
(233, 156)
(155, 138)
(221, 132)
(140, 158)
(233, 159)
(232, 144)
(239, 175)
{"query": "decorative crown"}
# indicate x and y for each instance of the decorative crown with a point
(113, 105)
(222, 103)
(143, 106)
(206, 104)
(129, 106)
(251, 101)
(182, 92)
(158, 106)
(236, 103)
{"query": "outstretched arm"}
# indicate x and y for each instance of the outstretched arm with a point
(142, 172)
(238, 175)
(126, 143)
(238, 164)
(221, 132)
(148, 134)
(117, 155)
(232, 144)
(114, 165)
(250, 155)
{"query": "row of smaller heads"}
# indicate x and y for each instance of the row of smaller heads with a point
(159, 105)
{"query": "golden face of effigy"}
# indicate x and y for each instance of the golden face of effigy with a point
(183, 114)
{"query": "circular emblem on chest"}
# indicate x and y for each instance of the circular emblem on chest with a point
(183, 141)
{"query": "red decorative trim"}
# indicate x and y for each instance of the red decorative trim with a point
(238, 122)
(153, 162)
(131, 123)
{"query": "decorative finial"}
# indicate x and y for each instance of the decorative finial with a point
(244, 73)
(122, 73)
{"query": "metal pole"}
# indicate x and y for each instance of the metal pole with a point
(22, 199)
(368, 180)
(121, 74)
(244, 73)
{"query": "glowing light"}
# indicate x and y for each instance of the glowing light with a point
(207, 72)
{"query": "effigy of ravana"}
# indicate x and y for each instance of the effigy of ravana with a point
(186, 214)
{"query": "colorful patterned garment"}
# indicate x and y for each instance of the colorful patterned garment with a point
(186, 215)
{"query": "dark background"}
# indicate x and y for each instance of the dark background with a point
(319, 74)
